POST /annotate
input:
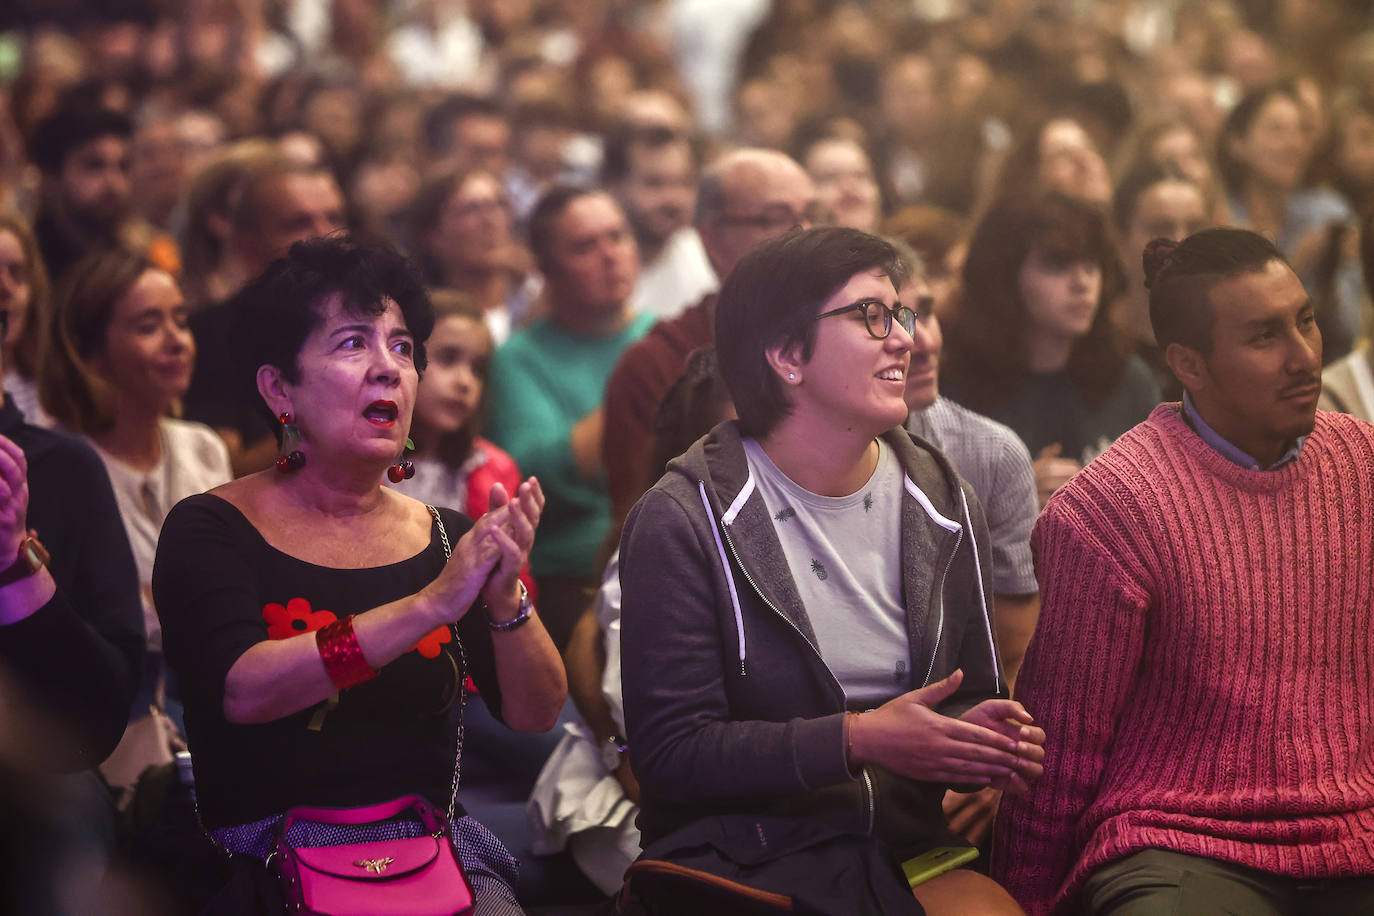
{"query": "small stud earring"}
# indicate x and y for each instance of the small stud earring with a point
(791, 376)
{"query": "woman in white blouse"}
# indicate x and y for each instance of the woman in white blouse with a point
(120, 359)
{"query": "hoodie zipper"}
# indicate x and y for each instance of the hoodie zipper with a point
(870, 796)
(869, 784)
(758, 591)
(940, 593)
(870, 789)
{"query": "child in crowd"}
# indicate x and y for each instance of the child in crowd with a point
(454, 465)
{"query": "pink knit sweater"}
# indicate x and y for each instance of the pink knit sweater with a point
(1204, 663)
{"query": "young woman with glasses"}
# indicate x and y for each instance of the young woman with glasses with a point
(822, 666)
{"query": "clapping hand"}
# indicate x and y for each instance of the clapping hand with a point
(512, 538)
(14, 499)
(909, 737)
(1052, 472)
(1010, 718)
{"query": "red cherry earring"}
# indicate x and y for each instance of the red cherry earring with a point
(289, 456)
(404, 468)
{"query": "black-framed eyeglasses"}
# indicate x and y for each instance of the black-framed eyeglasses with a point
(878, 316)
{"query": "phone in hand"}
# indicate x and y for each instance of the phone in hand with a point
(936, 861)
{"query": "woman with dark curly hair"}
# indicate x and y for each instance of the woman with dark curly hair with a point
(1034, 342)
(321, 631)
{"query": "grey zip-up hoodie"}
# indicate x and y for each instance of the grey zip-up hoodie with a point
(728, 704)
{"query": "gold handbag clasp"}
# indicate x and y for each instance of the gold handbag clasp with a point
(376, 866)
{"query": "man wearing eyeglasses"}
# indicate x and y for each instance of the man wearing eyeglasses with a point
(994, 461)
(745, 197)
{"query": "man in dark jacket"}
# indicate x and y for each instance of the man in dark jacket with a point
(82, 151)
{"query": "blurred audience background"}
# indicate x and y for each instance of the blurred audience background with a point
(1024, 149)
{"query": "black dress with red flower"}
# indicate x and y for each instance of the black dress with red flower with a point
(220, 589)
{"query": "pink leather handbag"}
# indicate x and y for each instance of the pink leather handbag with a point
(419, 876)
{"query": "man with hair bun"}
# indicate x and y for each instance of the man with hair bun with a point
(1203, 660)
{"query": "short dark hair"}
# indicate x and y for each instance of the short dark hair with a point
(438, 121)
(623, 139)
(75, 122)
(272, 316)
(1181, 274)
(551, 205)
(540, 112)
(771, 299)
(1136, 182)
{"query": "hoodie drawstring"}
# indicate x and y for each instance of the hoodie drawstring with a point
(729, 576)
(982, 596)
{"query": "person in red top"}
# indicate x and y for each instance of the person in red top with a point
(1205, 650)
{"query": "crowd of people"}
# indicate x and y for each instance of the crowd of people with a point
(845, 431)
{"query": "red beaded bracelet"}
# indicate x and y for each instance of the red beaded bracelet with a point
(342, 656)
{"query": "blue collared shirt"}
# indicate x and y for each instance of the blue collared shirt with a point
(1228, 451)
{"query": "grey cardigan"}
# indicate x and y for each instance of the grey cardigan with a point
(728, 704)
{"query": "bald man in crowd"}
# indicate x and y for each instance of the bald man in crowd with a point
(743, 198)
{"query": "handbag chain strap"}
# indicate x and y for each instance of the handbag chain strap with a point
(462, 701)
(462, 680)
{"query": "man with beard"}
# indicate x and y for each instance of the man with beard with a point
(82, 151)
(651, 171)
(1203, 659)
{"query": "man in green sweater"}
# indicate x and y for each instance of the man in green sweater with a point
(548, 382)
